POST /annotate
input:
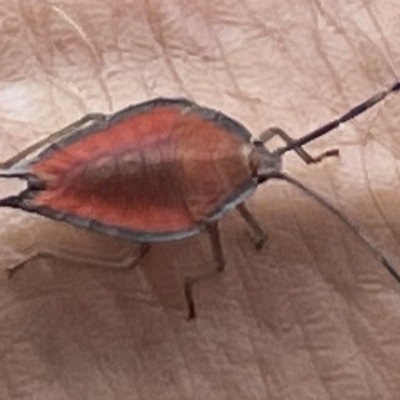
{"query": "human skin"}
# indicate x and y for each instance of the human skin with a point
(311, 316)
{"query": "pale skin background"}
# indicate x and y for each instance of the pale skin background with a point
(313, 315)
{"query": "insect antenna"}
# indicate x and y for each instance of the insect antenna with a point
(352, 113)
(345, 219)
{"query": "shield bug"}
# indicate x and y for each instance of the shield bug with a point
(163, 170)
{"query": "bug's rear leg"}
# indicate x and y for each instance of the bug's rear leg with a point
(260, 234)
(220, 265)
(271, 132)
(118, 264)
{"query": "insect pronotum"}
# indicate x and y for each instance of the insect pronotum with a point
(163, 170)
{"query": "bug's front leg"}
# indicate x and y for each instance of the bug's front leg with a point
(306, 157)
(219, 259)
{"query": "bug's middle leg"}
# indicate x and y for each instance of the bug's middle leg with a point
(259, 232)
(219, 259)
(306, 157)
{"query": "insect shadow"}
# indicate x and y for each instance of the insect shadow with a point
(163, 170)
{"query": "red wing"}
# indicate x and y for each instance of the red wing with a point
(162, 170)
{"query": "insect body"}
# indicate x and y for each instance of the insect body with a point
(158, 171)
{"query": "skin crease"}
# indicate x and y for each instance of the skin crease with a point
(311, 316)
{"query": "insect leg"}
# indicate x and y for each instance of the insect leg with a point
(344, 218)
(220, 261)
(80, 123)
(261, 235)
(124, 263)
(307, 158)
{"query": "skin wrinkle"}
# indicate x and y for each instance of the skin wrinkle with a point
(313, 357)
(88, 345)
(80, 31)
(237, 91)
(131, 334)
(354, 342)
(154, 18)
(30, 36)
(249, 304)
(263, 365)
(296, 63)
(364, 354)
(396, 169)
(263, 382)
(28, 30)
(306, 245)
(382, 55)
(21, 390)
(340, 30)
(333, 283)
(47, 73)
(366, 134)
(195, 387)
(345, 243)
(395, 151)
(251, 307)
(387, 145)
(182, 354)
(352, 301)
(375, 201)
(324, 57)
(95, 52)
(258, 22)
(385, 42)
(70, 90)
